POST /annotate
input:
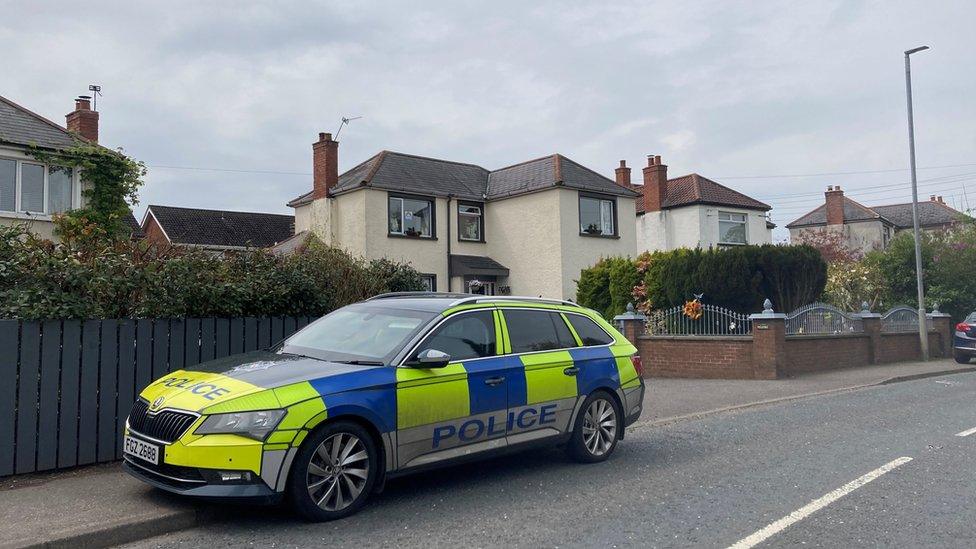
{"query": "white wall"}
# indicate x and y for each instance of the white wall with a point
(695, 226)
(863, 236)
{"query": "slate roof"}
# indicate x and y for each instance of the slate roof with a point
(408, 173)
(20, 126)
(697, 189)
(222, 228)
(476, 265)
(853, 211)
(930, 213)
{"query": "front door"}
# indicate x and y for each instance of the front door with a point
(444, 412)
(541, 340)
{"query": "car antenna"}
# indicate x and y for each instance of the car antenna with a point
(344, 122)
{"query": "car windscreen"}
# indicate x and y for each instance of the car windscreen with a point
(360, 332)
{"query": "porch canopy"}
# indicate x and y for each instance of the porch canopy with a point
(476, 265)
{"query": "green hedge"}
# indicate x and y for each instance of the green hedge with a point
(91, 275)
(738, 278)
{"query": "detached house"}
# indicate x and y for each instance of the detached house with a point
(693, 211)
(32, 191)
(525, 229)
(865, 228)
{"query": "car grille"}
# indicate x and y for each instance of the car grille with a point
(165, 426)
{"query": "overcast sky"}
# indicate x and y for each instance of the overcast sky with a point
(732, 91)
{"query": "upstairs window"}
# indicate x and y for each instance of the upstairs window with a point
(35, 188)
(597, 216)
(411, 216)
(471, 222)
(731, 228)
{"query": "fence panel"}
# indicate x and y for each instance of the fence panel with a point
(714, 321)
(108, 379)
(47, 408)
(9, 336)
(71, 383)
(70, 392)
(821, 319)
(30, 341)
(900, 319)
(88, 402)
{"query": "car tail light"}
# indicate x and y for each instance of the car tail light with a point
(638, 365)
(963, 327)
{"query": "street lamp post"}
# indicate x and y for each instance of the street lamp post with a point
(923, 338)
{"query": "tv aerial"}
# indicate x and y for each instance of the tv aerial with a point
(345, 121)
(96, 91)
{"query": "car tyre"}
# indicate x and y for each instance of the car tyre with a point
(596, 430)
(333, 472)
(961, 358)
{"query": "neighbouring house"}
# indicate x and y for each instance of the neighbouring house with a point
(215, 231)
(865, 228)
(32, 191)
(525, 229)
(693, 211)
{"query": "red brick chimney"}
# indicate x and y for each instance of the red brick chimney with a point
(655, 183)
(325, 165)
(623, 175)
(835, 205)
(83, 120)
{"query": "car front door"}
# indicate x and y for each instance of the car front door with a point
(460, 408)
(540, 339)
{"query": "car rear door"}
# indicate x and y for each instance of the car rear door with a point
(541, 340)
(460, 408)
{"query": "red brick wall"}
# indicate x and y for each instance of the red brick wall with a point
(904, 346)
(697, 357)
(154, 234)
(817, 353)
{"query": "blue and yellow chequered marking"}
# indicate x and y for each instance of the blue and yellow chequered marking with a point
(432, 395)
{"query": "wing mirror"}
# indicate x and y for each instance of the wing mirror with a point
(431, 358)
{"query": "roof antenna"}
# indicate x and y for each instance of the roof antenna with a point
(345, 121)
(96, 91)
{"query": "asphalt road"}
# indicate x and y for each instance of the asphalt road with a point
(769, 473)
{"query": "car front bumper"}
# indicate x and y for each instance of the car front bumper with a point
(179, 482)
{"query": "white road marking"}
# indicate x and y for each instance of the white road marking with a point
(967, 432)
(815, 505)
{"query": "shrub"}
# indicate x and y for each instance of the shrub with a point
(738, 278)
(89, 274)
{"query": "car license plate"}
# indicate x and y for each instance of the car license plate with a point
(142, 450)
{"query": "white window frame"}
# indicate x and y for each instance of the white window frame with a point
(744, 223)
(18, 212)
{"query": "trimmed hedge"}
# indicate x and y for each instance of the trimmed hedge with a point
(738, 278)
(91, 275)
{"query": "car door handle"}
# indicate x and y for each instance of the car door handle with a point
(571, 371)
(494, 381)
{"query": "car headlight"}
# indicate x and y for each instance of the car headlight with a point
(257, 425)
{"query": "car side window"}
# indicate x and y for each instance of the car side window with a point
(588, 331)
(465, 336)
(530, 331)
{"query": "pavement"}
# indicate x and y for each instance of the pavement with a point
(705, 448)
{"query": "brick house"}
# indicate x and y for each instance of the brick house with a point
(32, 191)
(215, 230)
(866, 228)
(693, 211)
(524, 229)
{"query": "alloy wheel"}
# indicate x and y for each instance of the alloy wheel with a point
(337, 471)
(599, 427)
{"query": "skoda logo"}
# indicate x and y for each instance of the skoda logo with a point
(157, 403)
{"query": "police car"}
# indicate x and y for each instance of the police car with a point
(396, 384)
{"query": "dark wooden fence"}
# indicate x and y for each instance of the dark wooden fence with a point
(66, 386)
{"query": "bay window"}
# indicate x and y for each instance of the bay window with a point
(598, 216)
(35, 188)
(731, 228)
(409, 216)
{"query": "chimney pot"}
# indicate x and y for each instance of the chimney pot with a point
(830, 187)
(623, 163)
(940, 198)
